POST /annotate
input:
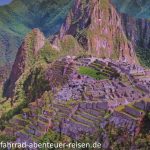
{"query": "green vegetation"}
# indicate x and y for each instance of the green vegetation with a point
(104, 4)
(116, 42)
(30, 86)
(31, 40)
(144, 55)
(54, 137)
(69, 46)
(35, 84)
(91, 73)
(146, 124)
(48, 53)
(12, 112)
(5, 139)
(140, 141)
(19, 102)
(1, 92)
(19, 17)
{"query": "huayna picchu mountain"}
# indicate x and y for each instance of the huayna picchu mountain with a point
(85, 83)
(99, 30)
(107, 33)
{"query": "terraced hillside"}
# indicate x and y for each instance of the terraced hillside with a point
(128, 123)
(76, 104)
(130, 115)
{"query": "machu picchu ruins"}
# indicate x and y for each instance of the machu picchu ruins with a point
(80, 104)
(75, 72)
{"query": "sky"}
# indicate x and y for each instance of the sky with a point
(3, 2)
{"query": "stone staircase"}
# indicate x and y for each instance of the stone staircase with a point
(85, 120)
(62, 112)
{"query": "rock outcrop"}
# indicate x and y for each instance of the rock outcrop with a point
(19, 17)
(98, 28)
(25, 58)
(137, 30)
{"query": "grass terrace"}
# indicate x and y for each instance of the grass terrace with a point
(91, 73)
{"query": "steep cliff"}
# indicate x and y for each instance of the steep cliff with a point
(106, 35)
(135, 20)
(21, 16)
(93, 26)
(36, 51)
(138, 31)
(97, 26)
(25, 58)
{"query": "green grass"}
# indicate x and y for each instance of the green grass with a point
(91, 73)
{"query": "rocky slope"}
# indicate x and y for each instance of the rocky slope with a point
(135, 20)
(138, 31)
(25, 58)
(99, 30)
(122, 36)
(21, 16)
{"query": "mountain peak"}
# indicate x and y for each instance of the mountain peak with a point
(25, 58)
(99, 30)
(21, 16)
(38, 39)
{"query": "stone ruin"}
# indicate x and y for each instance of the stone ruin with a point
(81, 104)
